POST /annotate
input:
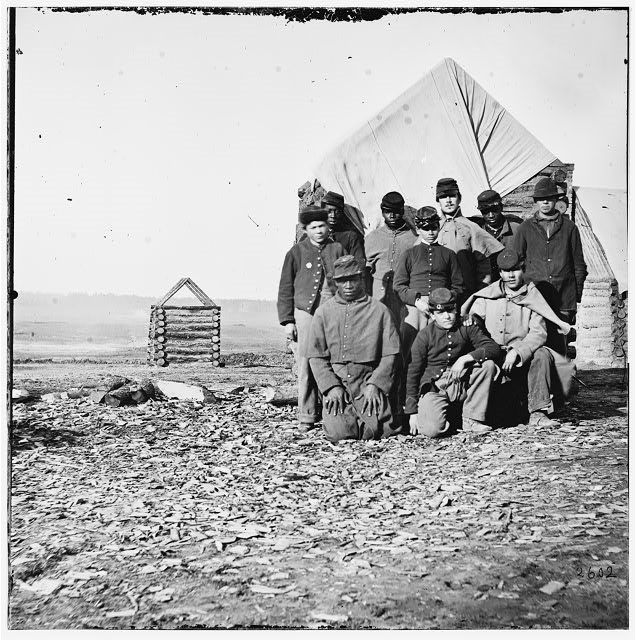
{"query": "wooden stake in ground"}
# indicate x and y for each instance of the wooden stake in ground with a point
(286, 394)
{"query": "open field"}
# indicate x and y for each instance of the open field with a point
(116, 326)
(37, 340)
(185, 515)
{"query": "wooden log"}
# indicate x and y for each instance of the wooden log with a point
(191, 315)
(118, 397)
(116, 383)
(98, 396)
(185, 358)
(283, 395)
(197, 307)
(191, 351)
(161, 362)
(192, 325)
(183, 391)
(22, 395)
(138, 395)
(184, 312)
(185, 334)
(205, 343)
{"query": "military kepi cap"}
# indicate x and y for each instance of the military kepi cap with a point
(509, 260)
(545, 188)
(442, 300)
(487, 199)
(392, 201)
(334, 199)
(426, 218)
(446, 187)
(347, 267)
(311, 214)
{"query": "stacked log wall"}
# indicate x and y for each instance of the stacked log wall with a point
(184, 334)
(519, 202)
(602, 315)
(601, 325)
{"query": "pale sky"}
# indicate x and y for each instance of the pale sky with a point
(143, 143)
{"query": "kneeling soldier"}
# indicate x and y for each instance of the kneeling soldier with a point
(450, 364)
(515, 314)
(353, 352)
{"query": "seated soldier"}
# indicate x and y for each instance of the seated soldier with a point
(514, 313)
(353, 352)
(450, 363)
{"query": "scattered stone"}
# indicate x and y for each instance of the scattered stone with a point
(552, 587)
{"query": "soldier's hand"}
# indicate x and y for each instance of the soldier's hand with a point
(291, 332)
(373, 400)
(335, 400)
(511, 359)
(413, 426)
(422, 304)
(457, 370)
(468, 320)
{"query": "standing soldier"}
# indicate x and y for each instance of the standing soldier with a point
(340, 229)
(472, 244)
(305, 282)
(493, 220)
(384, 246)
(423, 268)
(550, 245)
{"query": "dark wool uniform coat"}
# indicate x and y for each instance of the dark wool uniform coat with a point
(435, 350)
(351, 242)
(305, 267)
(555, 264)
(505, 235)
(426, 267)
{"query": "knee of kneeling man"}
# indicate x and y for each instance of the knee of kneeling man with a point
(432, 430)
(542, 354)
(489, 366)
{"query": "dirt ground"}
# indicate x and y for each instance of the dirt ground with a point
(176, 515)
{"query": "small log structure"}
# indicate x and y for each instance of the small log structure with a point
(184, 333)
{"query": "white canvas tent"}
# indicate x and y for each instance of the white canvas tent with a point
(446, 125)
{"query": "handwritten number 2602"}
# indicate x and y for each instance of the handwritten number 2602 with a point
(595, 574)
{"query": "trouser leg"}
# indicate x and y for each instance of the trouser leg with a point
(540, 380)
(344, 426)
(431, 414)
(479, 383)
(556, 340)
(413, 322)
(307, 388)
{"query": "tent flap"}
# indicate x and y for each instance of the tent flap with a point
(444, 125)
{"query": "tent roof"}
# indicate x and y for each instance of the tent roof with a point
(444, 125)
(606, 215)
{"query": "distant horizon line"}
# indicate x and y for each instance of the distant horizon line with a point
(124, 295)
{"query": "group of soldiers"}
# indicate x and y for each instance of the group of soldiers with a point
(435, 323)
